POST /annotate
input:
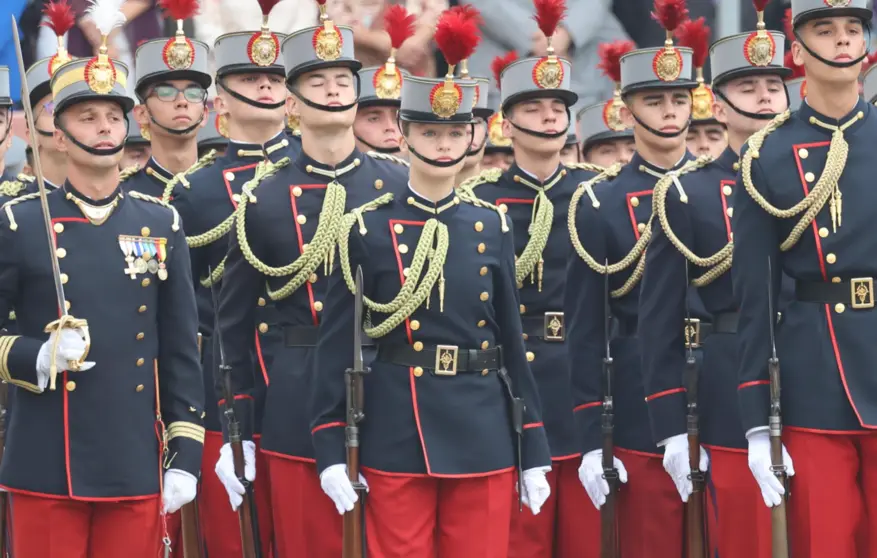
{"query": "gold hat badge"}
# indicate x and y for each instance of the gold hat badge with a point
(548, 71)
(178, 52)
(456, 36)
(60, 19)
(264, 47)
(400, 25)
(610, 63)
(667, 63)
(696, 36)
(327, 39)
(100, 72)
(759, 47)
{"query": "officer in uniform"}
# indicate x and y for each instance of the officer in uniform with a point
(805, 202)
(251, 103)
(472, 165)
(611, 226)
(695, 233)
(437, 444)
(283, 226)
(92, 457)
(535, 195)
(570, 154)
(376, 127)
(706, 135)
(172, 82)
(212, 137)
(137, 149)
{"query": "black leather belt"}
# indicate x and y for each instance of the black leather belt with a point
(444, 360)
(858, 292)
(549, 326)
(695, 330)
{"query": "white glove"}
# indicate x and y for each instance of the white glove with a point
(591, 476)
(772, 490)
(179, 489)
(225, 471)
(71, 347)
(536, 488)
(677, 466)
(338, 487)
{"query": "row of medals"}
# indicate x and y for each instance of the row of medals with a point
(146, 263)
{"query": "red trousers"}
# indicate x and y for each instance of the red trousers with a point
(220, 527)
(428, 517)
(651, 514)
(567, 525)
(64, 528)
(833, 498)
(306, 522)
(738, 521)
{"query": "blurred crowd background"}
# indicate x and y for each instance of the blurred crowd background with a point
(508, 25)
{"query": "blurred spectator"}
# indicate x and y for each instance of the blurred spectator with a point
(144, 23)
(509, 25)
(372, 44)
(7, 46)
(218, 17)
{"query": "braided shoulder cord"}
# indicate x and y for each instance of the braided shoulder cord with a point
(467, 196)
(388, 157)
(208, 159)
(7, 207)
(540, 228)
(11, 187)
(215, 275)
(659, 208)
(585, 166)
(488, 175)
(128, 172)
(175, 225)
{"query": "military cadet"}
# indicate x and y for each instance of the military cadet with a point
(137, 149)
(706, 135)
(535, 194)
(570, 153)
(172, 82)
(283, 224)
(251, 106)
(437, 444)
(482, 113)
(692, 229)
(498, 150)
(212, 137)
(817, 229)
(376, 127)
(605, 141)
(611, 226)
(120, 438)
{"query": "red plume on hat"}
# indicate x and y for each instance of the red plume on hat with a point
(670, 13)
(499, 64)
(469, 13)
(60, 19)
(456, 36)
(399, 25)
(179, 9)
(549, 14)
(869, 61)
(789, 62)
(610, 58)
(695, 34)
(787, 25)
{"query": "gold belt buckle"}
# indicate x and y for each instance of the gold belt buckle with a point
(862, 292)
(555, 329)
(446, 360)
(692, 333)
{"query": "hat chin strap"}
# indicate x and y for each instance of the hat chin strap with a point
(747, 114)
(384, 150)
(483, 142)
(327, 108)
(542, 135)
(182, 132)
(433, 162)
(247, 100)
(659, 133)
(834, 63)
(92, 150)
(9, 126)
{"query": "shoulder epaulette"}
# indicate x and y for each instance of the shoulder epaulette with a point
(265, 169)
(7, 207)
(22, 177)
(587, 187)
(467, 196)
(152, 199)
(208, 159)
(128, 172)
(585, 166)
(486, 176)
(388, 157)
(11, 188)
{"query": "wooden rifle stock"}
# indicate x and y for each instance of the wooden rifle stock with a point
(694, 509)
(245, 511)
(190, 531)
(778, 518)
(353, 540)
(352, 544)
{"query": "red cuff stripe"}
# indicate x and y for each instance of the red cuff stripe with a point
(587, 406)
(755, 383)
(654, 396)
(236, 397)
(533, 425)
(327, 425)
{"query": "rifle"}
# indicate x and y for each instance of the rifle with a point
(778, 519)
(190, 530)
(354, 543)
(694, 509)
(250, 542)
(608, 519)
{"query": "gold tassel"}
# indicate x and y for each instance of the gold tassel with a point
(442, 291)
(540, 268)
